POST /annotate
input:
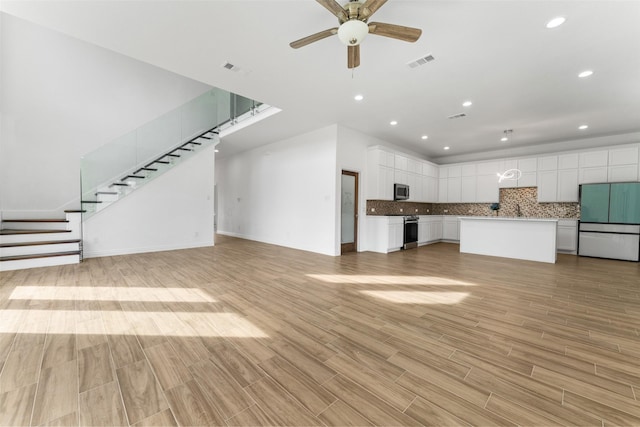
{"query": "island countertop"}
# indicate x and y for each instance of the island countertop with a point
(533, 239)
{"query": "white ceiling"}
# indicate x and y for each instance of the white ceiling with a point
(498, 54)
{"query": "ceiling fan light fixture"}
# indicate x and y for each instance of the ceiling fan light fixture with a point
(352, 32)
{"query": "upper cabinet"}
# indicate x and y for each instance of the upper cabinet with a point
(593, 167)
(386, 168)
(623, 164)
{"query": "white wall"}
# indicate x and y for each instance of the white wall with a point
(174, 211)
(352, 156)
(62, 98)
(282, 193)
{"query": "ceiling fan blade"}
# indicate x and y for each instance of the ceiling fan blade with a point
(369, 8)
(399, 32)
(313, 38)
(353, 56)
(334, 7)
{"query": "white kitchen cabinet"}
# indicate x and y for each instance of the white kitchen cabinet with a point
(592, 175)
(528, 167)
(487, 190)
(429, 169)
(508, 164)
(442, 190)
(623, 156)
(568, 185)
(568, 161)
(383, 185)
(468, 189)
(548, 186)
(622, 173)
(435, 228)
(401, 163)
(454, 171)
(415, 187)
(593, 167)
(384, 233)
(468, 169)
(451, 228)
(567, 238)
(548, 163)
(489, 168)
(429, 189)
(423, 229)
(454, 189)
(401, 177)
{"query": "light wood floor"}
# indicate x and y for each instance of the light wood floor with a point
(251, 334)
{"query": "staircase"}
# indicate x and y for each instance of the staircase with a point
(122, 166)
(27, 243)
(110, 192)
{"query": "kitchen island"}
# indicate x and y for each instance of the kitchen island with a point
(531, 239)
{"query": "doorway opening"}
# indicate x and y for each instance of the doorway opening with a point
(349, 212)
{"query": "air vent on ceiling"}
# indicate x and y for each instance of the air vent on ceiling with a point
(230, 66)
(457, 116)
(421, 61)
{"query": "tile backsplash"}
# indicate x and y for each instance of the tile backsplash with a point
(510, 199)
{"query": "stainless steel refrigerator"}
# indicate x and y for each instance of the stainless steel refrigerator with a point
(610, 221)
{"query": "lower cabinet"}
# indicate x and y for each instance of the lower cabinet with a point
(429, 229)
(451, 228)
(567, 237)
(384, 233)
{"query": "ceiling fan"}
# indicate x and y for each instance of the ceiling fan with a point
(353, 28)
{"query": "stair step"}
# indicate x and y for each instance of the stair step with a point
(206, 137)
(111, 193)
(41, 243)
(147, 169)
(185, 149)
(74, 211)
(36, 220)
(198, 143)
(50, 255)
(119, 184)
(173, 155)
(162, 162)
(132, 176)
(91, 201)
(12, 231)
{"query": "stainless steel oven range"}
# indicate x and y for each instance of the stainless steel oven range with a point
(410, 232)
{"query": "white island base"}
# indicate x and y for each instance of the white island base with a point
(519, 238)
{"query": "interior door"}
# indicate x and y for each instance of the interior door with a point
(349, 212)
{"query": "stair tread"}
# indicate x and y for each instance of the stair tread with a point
(36, 220)
(12, 231)
(40, 243)
(53, 254)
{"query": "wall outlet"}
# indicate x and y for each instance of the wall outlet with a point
(400, 209)
(416, 209)
(446, 211)
(427, 210)
(373, 209)
(469, 211)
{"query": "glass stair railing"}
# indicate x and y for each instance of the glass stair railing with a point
(124, 165)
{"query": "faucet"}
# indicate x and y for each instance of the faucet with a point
(518, 211)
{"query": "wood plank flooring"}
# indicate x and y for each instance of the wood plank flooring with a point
(246, 333)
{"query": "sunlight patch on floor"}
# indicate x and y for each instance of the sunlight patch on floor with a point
(229, 325)
(388, 280)
(109, 293)
(418, 297)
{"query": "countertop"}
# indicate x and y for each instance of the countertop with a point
(509, 218)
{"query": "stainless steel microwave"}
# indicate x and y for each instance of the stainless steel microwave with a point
(400, 192)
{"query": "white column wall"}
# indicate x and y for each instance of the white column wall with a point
(282, 193)
(174, 211)
(63, 98)
(352, 156)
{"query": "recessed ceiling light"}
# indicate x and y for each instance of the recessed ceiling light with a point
(556, 22)
(425, 137)
(467, 104)
(583, 127)
(507, 133)
(393, 122)
(585, 73)
(358, 97)
(446, 148)
(216, 150)
(504, 139)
